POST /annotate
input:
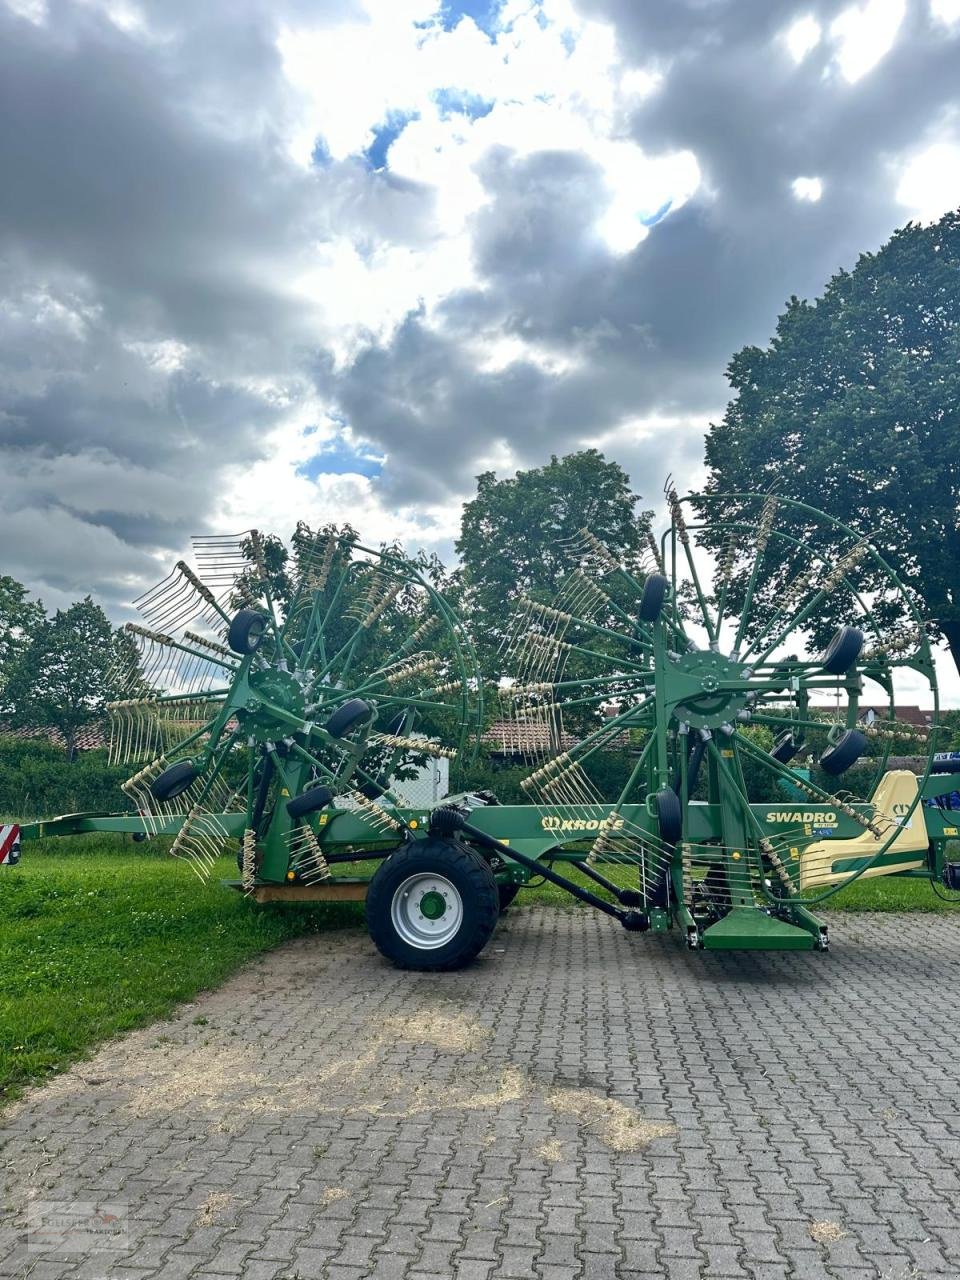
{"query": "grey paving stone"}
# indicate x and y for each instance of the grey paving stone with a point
(803, 1089)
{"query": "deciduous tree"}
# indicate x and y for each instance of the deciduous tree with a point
(515, 534)
(854, 408)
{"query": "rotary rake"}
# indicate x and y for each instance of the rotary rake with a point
(268, 688)
(685, 667)
(723, 680)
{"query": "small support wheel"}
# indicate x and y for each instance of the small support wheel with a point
(432, 905)
(846, 751)
(174, 780)
(785, 747)
(843, 651)
(247, 631)
(654, 593)
(348, 717)
(669, 815)
(309, 802)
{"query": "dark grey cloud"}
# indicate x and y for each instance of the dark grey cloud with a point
(152, 222)
(654, 329)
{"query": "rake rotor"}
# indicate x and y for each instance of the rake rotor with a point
(719, 693)
(276, 683)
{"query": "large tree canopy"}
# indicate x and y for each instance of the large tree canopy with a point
(514, 534)
(20, 617)
(854, 408)
(62, 678)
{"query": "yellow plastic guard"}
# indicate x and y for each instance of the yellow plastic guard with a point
(893, 797)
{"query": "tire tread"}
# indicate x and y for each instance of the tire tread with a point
(479, 894)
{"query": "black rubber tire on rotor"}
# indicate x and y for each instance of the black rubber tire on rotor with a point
(309, 801)
(846, 751)
(353, 713)
(669, 816)
(654, 593)
(843, 651)
(475, 883)
(174, 780)
(507, 892)
(247, 631)
(785, 747)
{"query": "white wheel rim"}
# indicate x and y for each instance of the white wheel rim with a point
(417, 927)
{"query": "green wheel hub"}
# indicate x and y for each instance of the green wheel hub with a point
(433, 905)
(275, 688)
(711, 705)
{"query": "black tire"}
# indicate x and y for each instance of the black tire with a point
(507, 893)
(247, 631)
(139, 837)
(476, 900)
(669, 816)
(309, 801)
(654, 593)
(842, 651)
(349, 716)
(846, 751)
(785, 747)
(174, 780)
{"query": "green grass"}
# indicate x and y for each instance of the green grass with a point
(100, 936)
(883, 894)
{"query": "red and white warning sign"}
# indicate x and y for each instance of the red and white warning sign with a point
(9, 845)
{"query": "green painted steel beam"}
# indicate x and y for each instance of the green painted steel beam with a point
(750, 929)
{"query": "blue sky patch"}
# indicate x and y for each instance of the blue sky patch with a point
(320, 157)
(386, 133)
(652, 219)
(338, 458)
(485, 13)
(459, 102)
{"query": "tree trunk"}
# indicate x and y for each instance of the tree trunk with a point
(951, 630)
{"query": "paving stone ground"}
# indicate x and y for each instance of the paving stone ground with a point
(582, 1103)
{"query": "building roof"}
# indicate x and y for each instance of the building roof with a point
(91, 737)
(920, 716)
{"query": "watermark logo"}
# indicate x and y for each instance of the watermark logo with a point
(77, 1226)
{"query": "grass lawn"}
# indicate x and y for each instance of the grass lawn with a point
(101, 935)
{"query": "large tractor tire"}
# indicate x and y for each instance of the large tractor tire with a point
(432, 905)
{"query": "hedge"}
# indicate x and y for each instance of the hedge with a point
(38, 781)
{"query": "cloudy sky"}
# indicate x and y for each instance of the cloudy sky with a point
(269, 259)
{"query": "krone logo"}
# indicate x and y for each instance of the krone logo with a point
(553, 822)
